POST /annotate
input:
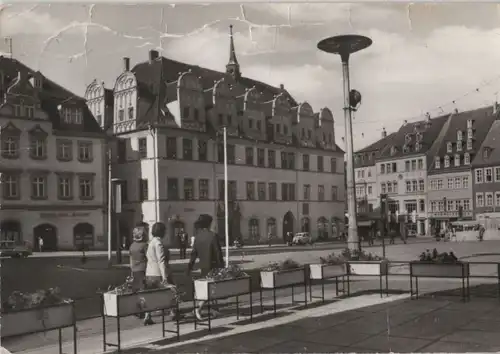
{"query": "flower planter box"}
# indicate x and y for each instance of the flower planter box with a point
(439, 270)
(209, 289)
(120, 305)
(326, 271)
(37, 319)
(368, 268)
(281, 278)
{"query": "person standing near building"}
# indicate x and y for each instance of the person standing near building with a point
(40, 244)
(138, 258)
(208, 250)
(183, 240)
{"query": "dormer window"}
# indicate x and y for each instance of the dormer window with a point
(418, 137)
(459, 145)
(469, 123)
(446, 161)
(437, 162)
(407, 138)
(470, 133)
(418, 146)
(486, 153)
(469, 144)
(457, 160)
(406, 148)
(466, 158)
(394, 150)
(72, 115)
(449, 147)
(459, 135)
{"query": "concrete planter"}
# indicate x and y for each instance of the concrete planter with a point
(326, 271)
(368, 267)
(281, 278)
(120, 305)
(439, 270)
(208, 289)
(37, 319)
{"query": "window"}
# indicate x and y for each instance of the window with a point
(382, 168)
(10, 147)
(188, 189)
(335, 192)
(261, 159)
(488, 175)
(271, 158)
(497, 174)
(457, 160)
(466, 158)
(450, 183)
(497, 198)
(321, 192)
(86, 187)
(407, 166)
(143, 189)
(449, 148)
(433, 206)
(489, 199)
(250, 190)
(64, 150)
(421, 185)
(172, 189)
(307, 191)
(469, 123)
(437, 162)
(333, 165)
(202, 150)
(249, 158)
(253, 229)
(187, 149)
(10, 184)
(85, 151)
(196, 114)
(459, 135)
(121, 115)
(388, 168)
(320, 164)
(421, 204)
(440, 184)
(131, 113)
(413, 165)
(250, 123)
(122, 150)
(143, 148)
(441, 206)
(305, 162)
(466, 204)
(446, 161)
(469, 144)
(414, 186)
(203, 189)
(261, 190)
(383, 188)
(394, 167)
(458, 183)
(465, 182)
(64, 187)
(185, 112)
(450, 205)
(389, 187)
(171, 146)
(459, 145)
(17, 110)
(231, 154)
(38, 187)
(394, 188)
(420, 164)
(288, 191)
(272, 191)
(479, 200)
(259, 125)
(479, 176)
(38, 147)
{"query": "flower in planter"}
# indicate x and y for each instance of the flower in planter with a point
(357, 255)
(436, 257)
(21, 301)
(287, 264)
(232, 272)
(332, 259)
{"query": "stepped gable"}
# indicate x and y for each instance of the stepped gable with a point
(429, 130)
(51, 96)
(482, 119)
(154, 76)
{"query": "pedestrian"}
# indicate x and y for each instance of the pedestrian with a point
(183, 239)
(208, 250)
(138, 258)
(157, 267)
(40, 244)
(270, 238)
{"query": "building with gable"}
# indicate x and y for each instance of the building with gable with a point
(285, 170)
(401, 168)
(486, 173)
(450, 184)
(52, 163)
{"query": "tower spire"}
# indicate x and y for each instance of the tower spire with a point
(232, 67)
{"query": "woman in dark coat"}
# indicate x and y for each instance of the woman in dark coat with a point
(138, 260)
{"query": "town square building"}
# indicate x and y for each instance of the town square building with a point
(51, 163)
(285, 170)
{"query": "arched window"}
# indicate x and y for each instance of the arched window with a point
(305, 225)
(335, 227)
(322, 228)
(253, 229)
(271, 227)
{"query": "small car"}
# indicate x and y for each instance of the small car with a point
(10, 249)
(302, 238)
(412, 233)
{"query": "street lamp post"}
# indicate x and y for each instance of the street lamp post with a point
(226, 199)
(344, 46)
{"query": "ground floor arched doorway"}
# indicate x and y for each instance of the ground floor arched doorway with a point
(83, 235)
(10, 232)
(48, 233)
(288, 221)
(335, 227)
(322, 228)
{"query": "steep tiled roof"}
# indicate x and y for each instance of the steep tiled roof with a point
(482, 119)
(492, 141)
(429, 131)
(372, 151)
(51, 96)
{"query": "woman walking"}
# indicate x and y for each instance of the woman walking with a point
(138, 259)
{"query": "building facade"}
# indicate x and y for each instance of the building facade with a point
(450, 175)
(285, 171)
(486, 175)
(51, 163)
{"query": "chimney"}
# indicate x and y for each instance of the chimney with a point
(126, 64)
(153, 55)
(455, 110)
(428, 116)
(384, 133)
(282, 87)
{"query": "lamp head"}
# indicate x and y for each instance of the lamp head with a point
(354, 98)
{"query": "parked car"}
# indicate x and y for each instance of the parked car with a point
(10, 249)
(302, 238)
(412, 233)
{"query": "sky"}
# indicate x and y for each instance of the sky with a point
(424, 58)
